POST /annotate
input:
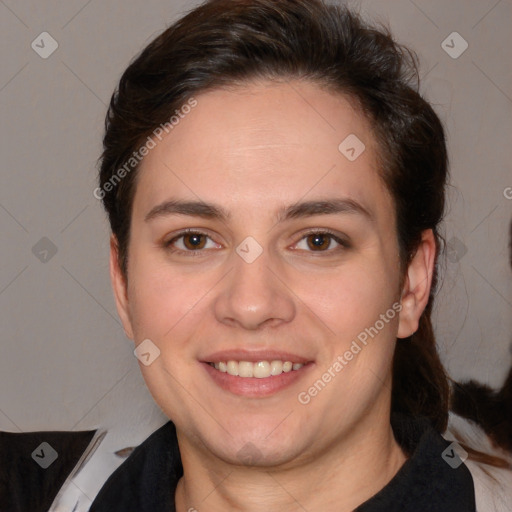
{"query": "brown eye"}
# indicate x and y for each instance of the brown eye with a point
(322, 242)
(190, 243)
(193, 241)
(319, 241)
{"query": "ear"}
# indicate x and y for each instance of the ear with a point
(417, 283)
(119, 286)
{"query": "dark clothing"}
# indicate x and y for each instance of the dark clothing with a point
(147, 480)
(34, 465)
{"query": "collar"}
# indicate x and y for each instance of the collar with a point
(147, 480)
(426, 482)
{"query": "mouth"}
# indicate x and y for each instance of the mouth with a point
(255, 375)
(259, 369)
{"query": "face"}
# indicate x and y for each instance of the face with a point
(256, 242)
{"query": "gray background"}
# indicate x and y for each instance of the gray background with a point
(65, 363)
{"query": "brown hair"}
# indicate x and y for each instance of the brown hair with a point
(225, 42)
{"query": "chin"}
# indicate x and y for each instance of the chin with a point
(257, 444)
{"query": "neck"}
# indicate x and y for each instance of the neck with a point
(362, 462)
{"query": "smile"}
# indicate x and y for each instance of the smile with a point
(259, 369)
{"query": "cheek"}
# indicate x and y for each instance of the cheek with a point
(351, 306)
(160, 298)
(165, 308)
(352, 299)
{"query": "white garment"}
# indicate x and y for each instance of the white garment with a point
(97, 463)
(493, 486)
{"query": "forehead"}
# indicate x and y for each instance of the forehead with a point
(261, 144)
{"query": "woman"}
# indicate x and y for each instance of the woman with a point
(274, 184)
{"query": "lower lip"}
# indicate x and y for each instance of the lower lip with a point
(252, 386)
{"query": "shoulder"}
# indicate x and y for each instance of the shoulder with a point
(146, 480)
(115, 459)
(493, 485)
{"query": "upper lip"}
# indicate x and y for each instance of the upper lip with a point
(254, 356)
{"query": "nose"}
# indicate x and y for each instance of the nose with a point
(254, 294)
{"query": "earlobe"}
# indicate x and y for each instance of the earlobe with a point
(119, 287)
(417, 284)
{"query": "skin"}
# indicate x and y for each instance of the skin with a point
(252, 150)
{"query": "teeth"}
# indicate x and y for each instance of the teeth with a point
(232, 368)
(276, 368)
(260, 370)
(245, 369)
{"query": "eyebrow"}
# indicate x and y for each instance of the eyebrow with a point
(293, 211)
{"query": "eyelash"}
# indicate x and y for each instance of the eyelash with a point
(168, 244)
